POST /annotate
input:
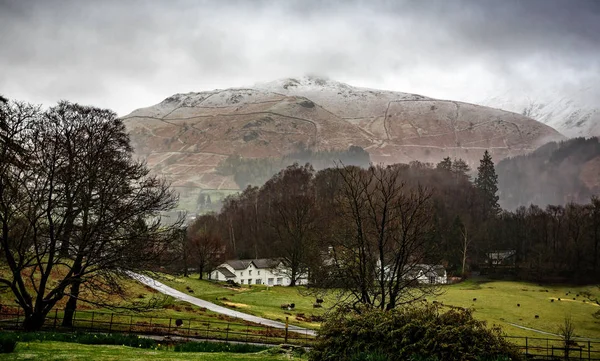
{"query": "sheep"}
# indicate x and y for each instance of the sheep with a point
(292, 306)
(518, 305)
(537, 316)
(552, 300)
(319, 300)
(285, 306)
(559, 298)
(474, 299)
(178, 322)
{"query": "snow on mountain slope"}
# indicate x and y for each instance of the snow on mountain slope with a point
(574, 113)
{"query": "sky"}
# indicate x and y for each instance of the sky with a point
(125, 55)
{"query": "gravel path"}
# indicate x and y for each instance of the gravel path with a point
(161, 287)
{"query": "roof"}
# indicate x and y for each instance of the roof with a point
(242, 264)
(225, 272)
(431, 270)
(500, 255)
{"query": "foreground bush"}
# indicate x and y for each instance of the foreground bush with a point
(8, 342)
(417, 333)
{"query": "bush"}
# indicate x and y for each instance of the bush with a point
(218, 347)
(8, 342)
(418, 333)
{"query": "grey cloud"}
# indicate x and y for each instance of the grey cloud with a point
(125, 55)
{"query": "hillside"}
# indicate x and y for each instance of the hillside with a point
(186, 136)
(556, 173)
(573, 112)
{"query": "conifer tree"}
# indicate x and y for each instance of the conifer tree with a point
(487, 183)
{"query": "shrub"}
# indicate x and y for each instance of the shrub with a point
(8, 342)
(420, 333)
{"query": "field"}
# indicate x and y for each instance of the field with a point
(496, 303)
(72, 351)
(258, 300)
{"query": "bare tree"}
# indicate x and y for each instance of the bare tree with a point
(291, 213)
(78, 204)
(383, 245)
(206, 247)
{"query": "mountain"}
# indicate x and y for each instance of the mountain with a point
(556, 173)
(186, 136)
(573, 112)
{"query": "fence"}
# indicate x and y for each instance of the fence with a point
(555, 348)
(94, 321)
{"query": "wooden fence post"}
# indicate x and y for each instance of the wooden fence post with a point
(92, 326)
(55, 317)
(227, 334)
(169, 329)
(111, 323)
(589, 350)
(189, 328)
(287, 319)
(526, 346)
(74, 318)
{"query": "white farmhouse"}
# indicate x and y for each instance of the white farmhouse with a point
(263, 271)
(431, 274)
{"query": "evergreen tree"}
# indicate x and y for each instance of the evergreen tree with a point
(487, 184)
(445, 164)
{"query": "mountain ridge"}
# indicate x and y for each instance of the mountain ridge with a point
(187, 135)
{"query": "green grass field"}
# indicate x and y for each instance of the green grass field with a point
(258, 300)
(72, 351)
(496, 303)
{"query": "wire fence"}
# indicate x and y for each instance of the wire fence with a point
(248, 332)
(140, 324)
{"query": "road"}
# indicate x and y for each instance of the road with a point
(161, 287)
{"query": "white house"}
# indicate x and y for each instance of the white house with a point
(431, 274)
(263, 271)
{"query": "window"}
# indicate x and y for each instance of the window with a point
(250, 273)
(249, 281)
(258, 272)
(258, 281)
(432, 279)
(270, 281)
(241, 282)
(241, 274)
(280, 280)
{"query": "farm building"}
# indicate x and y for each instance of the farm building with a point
(263, 271)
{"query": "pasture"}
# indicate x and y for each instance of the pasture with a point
(503, 303)
(50, 350)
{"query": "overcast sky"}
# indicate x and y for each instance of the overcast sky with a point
(125, 55)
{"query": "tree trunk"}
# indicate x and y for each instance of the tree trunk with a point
(34, 321)
(71, 305)
(201, 271)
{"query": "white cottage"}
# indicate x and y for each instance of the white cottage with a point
(263, 271)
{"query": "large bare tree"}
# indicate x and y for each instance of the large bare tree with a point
(77, 205)
(383, 241)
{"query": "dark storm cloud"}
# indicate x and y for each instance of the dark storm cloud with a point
(128, 54)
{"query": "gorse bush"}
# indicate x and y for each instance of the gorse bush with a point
(218, 347)
(412, 333)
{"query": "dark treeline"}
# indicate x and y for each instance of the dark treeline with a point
(301, 214)
(256, 171)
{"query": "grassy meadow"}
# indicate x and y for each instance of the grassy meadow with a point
(496, 303)
(50, 350)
